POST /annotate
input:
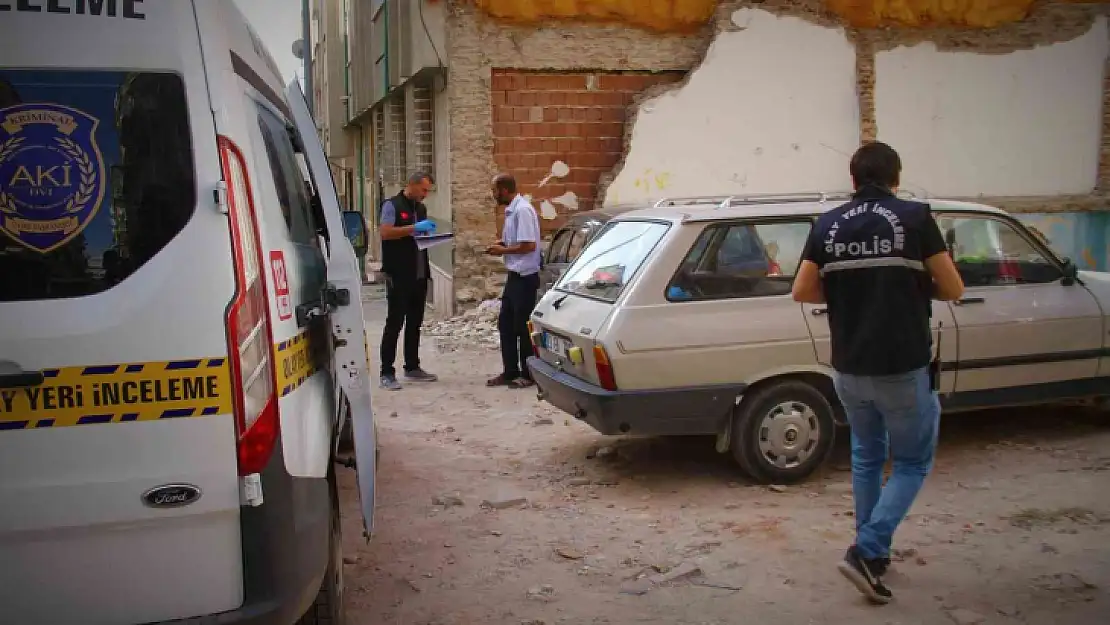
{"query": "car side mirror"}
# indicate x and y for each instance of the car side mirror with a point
(356, 231)
(1071, 272)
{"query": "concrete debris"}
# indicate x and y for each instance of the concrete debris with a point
(603, 453)
(543, 421)
(447, 501)
(569, 553)
(578, 481)
(501, 503)
(642, 586)
(777, 488)
(960, 616)
(476, 328)
(901, 555)
(546, 592)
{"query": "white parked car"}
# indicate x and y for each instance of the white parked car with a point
(677, 319)
(181, 332)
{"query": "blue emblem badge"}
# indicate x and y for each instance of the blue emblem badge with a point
(52, 177)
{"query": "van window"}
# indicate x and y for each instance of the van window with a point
(612, 259)
(96, 178)
(289, 179)
(740, 260)
(557, 252)
(577, 243)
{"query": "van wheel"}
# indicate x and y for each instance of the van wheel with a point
(783, 432)
(329, 607)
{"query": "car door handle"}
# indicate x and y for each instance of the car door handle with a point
(970, 300)
(817, 312)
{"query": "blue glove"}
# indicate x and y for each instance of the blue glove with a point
(677, 292)
(426, 226)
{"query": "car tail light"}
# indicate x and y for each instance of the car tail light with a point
(250, 342)
(604, 369)
(533, 336)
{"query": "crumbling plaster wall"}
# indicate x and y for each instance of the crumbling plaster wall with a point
(478, 44)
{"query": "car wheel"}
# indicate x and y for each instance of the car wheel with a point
(783, 432)
(329, 607)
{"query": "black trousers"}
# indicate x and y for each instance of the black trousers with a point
(406, 302)
(517, 302)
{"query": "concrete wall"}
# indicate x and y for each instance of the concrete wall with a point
(771, 109)
(1018, 124)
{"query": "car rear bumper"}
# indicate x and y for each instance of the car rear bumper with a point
(675, 411)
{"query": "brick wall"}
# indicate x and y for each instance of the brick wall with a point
(575, 117)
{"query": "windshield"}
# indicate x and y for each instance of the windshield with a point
(611, 259)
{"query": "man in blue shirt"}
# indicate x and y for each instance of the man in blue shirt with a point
(520, 247)
(879, 261)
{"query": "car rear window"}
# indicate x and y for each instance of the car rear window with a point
(96, 177)
(612, 258)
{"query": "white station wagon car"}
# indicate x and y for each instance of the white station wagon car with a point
(677, 319)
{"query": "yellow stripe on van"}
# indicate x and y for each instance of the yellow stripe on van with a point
(123, 393)
(148, 391)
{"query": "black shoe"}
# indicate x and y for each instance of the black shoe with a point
(864, 575)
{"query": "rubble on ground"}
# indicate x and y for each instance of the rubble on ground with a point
(476, 328)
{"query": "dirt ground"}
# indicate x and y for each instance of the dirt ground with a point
(1012, 526)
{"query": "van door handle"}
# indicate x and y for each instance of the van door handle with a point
(970, 300)
(308, 311)
(19, 380)
(817, 312)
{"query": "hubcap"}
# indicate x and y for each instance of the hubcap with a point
(788, 434)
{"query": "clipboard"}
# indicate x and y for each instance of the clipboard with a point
(431, 240)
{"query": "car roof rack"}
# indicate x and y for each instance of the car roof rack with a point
(726, 201)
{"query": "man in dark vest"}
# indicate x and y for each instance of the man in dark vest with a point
(879, 261)
(407, 273)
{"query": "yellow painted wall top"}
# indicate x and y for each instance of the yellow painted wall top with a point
(689, 15)
(659, 15)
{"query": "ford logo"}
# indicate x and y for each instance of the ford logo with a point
(171, 496)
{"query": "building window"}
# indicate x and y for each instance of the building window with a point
(389, 139)
(423, 131)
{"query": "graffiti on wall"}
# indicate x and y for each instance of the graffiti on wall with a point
(1082, 237)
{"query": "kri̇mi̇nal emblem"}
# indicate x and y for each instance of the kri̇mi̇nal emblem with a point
(51, 174)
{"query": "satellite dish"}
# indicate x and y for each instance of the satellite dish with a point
(298, 49)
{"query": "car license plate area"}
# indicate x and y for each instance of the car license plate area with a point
(556, 344)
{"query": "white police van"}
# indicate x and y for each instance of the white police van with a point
(181, 334)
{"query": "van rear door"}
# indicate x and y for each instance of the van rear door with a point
(344, 291)
(118, 477)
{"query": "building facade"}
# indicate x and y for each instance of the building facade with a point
(607, 101)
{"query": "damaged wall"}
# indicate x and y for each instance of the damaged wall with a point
(1024, 123)
(1014, 114)
(541, 119)
(772, 109)
(477, 45)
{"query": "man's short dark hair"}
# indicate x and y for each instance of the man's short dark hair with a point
(420, 176)
(876, 163)
(506, 182)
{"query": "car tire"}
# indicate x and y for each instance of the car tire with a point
(329, 607)
(783, 432)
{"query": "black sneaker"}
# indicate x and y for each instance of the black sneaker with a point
(865, 574)
(420, 375)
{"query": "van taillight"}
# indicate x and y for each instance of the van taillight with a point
(604, 369)
(248, 323)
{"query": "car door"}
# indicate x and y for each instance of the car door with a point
(726, 320)
(344, 309)
(1021, 322)
(555, 261)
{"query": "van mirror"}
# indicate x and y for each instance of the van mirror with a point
(355, 227)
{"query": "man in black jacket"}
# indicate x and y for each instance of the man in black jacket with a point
(407, 274)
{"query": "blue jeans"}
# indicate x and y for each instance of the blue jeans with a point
(896, 412)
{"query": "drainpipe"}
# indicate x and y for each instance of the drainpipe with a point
(306, 28)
